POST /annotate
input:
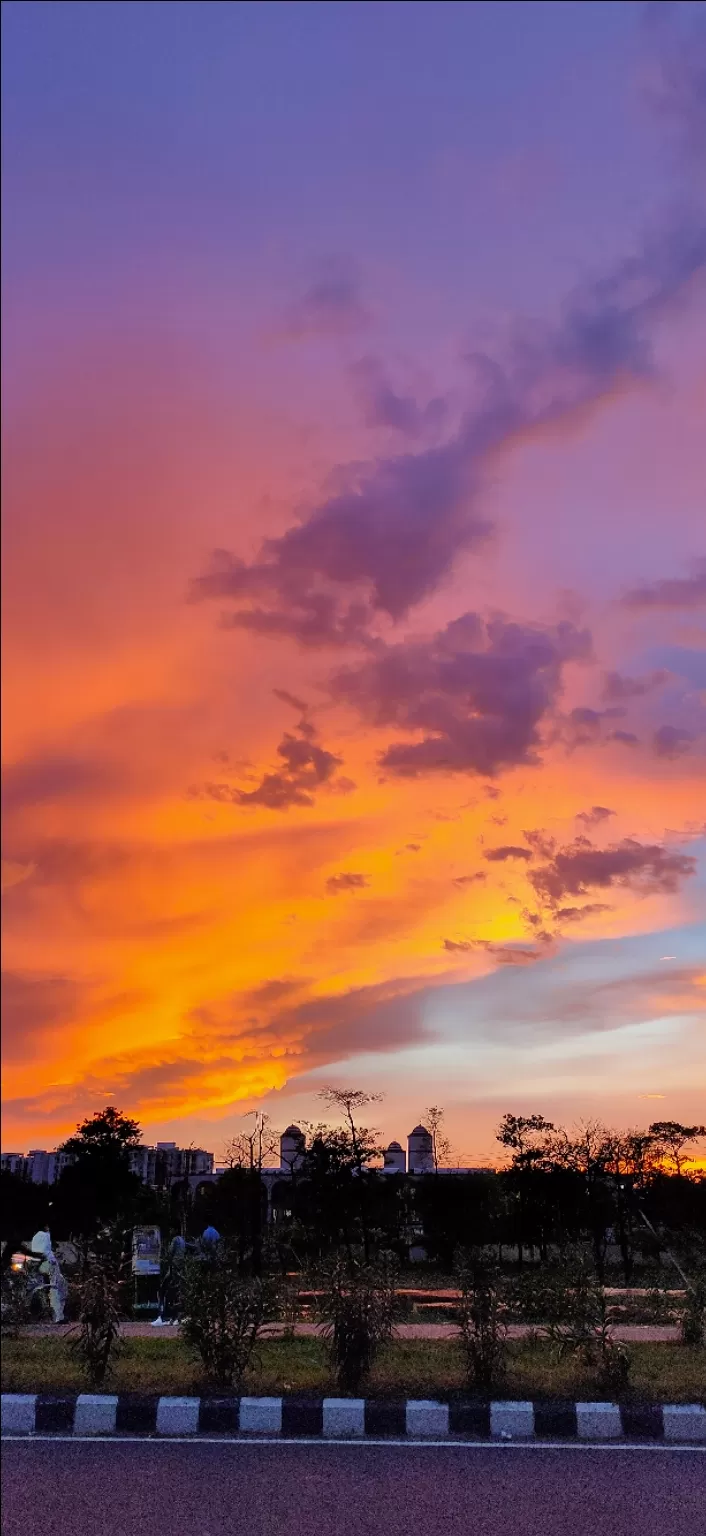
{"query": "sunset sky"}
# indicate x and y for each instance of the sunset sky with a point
(355, 563)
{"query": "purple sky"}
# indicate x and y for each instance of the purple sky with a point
(400, 307)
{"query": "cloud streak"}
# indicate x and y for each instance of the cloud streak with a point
(346, 881)
(671, 591)
(392, 533)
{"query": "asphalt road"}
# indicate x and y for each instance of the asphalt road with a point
(120, 1488)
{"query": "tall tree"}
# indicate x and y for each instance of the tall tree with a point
(363, 1144)
(106, 1134)
(249, 1151)
(671, 1138)
(98, 1186)
(528, 1137)
(433, 1120)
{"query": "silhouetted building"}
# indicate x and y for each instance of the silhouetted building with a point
(395, 1159)
(420, 1151)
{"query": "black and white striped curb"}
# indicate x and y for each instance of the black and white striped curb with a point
(349, 1418)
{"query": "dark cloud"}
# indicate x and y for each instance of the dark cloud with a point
(302, 612)
(576, 914)
(307, 767)
(342, 785)
(332, 306)
(59, 861)
(382, 406)
(383, 1017)
(39, 780)
(390, 532)
(313, 1030)
(462, 880)
(646, 868)
(33, 1005)
(505, 954)
(671, 591)
(626, 738)
(670, 741)
(616, 687)
(597, 814)
(346, 882)
(508, 851)
(477, 692)
(591, 718)
(583, 726)
(290, 698)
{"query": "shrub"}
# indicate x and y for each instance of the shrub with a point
(224, 1313)
(289, 1305)
(480, 1315)
(16, 1301)
(611, 1363)
(358, 1309)
(580, 1322)
(694, 1315)
(530, 1297)
(97, 1338)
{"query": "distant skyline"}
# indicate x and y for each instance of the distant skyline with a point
(354, 563)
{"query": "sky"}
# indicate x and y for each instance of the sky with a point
(354, 717)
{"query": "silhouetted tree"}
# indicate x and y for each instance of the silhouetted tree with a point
(99, 1186)
(527, 1137)
(671, 1138)
(360, 1147)
(433, 1121)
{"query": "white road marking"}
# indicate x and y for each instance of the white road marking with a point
(315, 1443)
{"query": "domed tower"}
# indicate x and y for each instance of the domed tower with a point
(291, 1148)
(395, 1160)
(420, 1149)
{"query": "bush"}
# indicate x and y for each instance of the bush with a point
(358, 1311)
(530, 1297)
(580, 1321)
(694, 1315)
(289, 1305)
(611, 1362)
(97, 1339)
(16, 1301)
(480, 1319)
(224, 1313)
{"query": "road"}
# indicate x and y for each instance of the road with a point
(120, 1488)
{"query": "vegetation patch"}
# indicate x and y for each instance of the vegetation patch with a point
(661, 1373)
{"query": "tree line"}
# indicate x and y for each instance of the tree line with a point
(628, 1196)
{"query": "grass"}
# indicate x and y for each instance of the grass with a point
(408, 1368)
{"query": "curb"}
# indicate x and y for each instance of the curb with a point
(349, 1418)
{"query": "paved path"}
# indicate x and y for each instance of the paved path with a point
(624, 1333)
(123, 1489)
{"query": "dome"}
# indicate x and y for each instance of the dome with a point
(394, 1147)
(293, 1130)
(420, 1130)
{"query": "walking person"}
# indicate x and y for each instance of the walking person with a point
(49, 1266)
(171, 1284)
